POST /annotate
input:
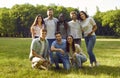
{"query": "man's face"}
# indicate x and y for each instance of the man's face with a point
(73, 16)
(43, 34)
(50, 13)
(58, 37)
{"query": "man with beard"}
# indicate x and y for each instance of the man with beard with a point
(58, 49)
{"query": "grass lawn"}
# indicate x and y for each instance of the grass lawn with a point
(14, 62)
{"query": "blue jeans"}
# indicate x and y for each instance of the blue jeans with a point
(80, 58)
(51, 54)
(50, 41)
(57, 57)
(90, 42)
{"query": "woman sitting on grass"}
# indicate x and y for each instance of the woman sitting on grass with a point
(75, 52)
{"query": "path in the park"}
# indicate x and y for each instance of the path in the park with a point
(107, 39)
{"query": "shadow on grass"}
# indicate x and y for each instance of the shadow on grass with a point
(102, 69)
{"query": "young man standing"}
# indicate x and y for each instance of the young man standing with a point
(39, 51)
(50, 25)
(75, 28)
(58, 49)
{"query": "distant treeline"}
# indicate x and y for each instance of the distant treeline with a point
(16, 21)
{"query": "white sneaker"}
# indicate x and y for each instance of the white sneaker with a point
(91, 66)
(96, 64)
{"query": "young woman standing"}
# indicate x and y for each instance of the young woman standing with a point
(89, 27)
(37, 25)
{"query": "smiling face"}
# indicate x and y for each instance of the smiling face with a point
(58, 37)
(43, 33)
(69, 39)
(73, 16)
(61, 17)
(50, 13)
(82, 16)
(39, 19)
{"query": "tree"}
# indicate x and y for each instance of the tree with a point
(113, 21)
(23, 18)
(108, 23)
(17, 20)
(6, 29)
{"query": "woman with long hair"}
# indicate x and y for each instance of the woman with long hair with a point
(89, 27)
(76, 55)
(37, 25)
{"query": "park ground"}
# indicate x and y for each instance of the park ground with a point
(14, 62)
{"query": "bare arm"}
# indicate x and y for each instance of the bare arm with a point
(93, 30)
(36, 55)
(53, 49)
(33, 33)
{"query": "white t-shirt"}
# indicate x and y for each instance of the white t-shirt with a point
(51, 27)
(87, 25)
(75, 29)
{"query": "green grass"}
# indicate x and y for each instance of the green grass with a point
(14, 62)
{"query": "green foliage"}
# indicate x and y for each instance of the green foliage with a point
(5, 22)
(109, 20)
(22, 16)
(16, 21)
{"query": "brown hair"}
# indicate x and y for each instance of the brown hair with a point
(73, 12)
(36, 21)
(43, 30)
(68, 45)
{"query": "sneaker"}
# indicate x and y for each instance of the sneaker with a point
(96, 64)
(91, 66)
(43, 67)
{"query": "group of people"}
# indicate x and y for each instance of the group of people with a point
(58, 41)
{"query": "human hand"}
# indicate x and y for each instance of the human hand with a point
(89, 34)
(74, 55)
(62, 51)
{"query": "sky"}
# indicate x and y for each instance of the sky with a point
(89, 5)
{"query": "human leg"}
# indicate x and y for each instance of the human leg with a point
(90, 42)
(51, 53)
(65, 61)
(55, 58)
(39, 63)
(80, 59)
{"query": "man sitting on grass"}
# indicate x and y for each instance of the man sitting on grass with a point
(59, 52)
(39, 51)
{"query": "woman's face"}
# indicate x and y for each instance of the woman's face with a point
(61, 17)
(82, 15)
(69, 39)
(39, 19)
